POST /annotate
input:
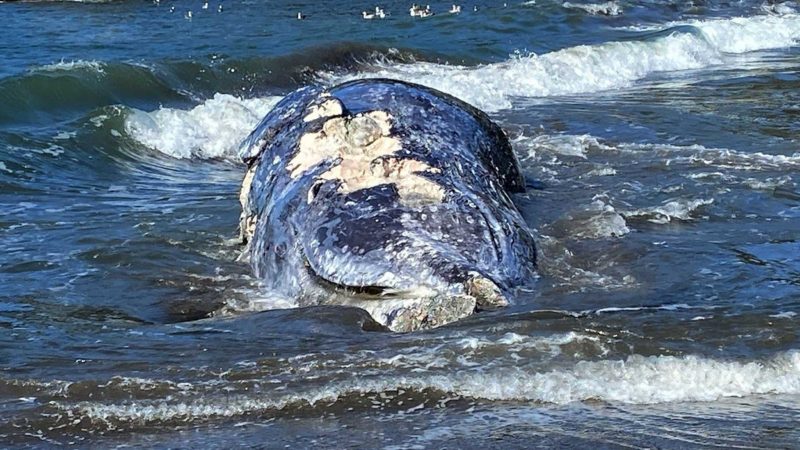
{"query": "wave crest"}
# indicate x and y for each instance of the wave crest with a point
(593, 68)
(636, 380)
(212, 129)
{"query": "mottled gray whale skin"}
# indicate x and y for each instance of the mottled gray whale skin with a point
(388, 196)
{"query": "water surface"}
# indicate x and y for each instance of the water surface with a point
(662, 144)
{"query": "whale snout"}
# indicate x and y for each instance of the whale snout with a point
(413, 295)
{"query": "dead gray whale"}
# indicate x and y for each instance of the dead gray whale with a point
(388, 196)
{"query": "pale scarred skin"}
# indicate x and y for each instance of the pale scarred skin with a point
(387, 196)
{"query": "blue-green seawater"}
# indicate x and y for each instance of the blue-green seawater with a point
(661, 141)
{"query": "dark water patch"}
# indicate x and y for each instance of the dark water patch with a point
(298, 68)
(29, 266)
(101, 314)
(63, 91)
(317, 323)
(787, 193)
(261, 76)
(780, 260)
(77, 157)
(47, 95)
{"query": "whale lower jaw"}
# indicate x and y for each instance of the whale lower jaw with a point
(411, 314)
(415, 307)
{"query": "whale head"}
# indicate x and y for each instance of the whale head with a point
(386, 196)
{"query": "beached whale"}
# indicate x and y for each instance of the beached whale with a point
(388, 196)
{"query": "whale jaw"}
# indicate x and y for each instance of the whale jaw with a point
(412, 314)
(421, 307)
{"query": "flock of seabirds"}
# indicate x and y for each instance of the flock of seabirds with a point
(379, 13)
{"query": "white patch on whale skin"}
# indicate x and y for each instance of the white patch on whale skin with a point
(247, 221)
(336, 141)
(413, 189)
(363, 144)
(328, 108)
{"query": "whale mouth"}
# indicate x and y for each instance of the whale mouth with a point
(366, 291)
(415, 308)
(359, 291)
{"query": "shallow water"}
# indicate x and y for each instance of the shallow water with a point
(662, 145)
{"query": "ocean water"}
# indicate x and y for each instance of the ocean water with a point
(662, 143)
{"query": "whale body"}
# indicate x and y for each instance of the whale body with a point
(388, 196)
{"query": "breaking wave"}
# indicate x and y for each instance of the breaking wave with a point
(635, 380)
(593, 68)
(212, 129)
(70, 89)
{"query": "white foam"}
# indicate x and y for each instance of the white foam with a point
(212, 129)
(713, 157)
(574, 70)
(732, 159)
(747, 34)
(607, 222)
(71, 65)
(559, 263)
(538, 155)
(670, 307)
(255, 299)
(266, 300)
(635, 380)
(768, 184)
(697, 155)
(560, 144)
(513, 342)
(65, 135)
(604, 171)
(779, 8)
(642, 380)
(678, 209)
(606, 9)
(593, 68)
(598, 220)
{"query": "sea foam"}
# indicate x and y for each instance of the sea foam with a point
(605, 9)
(212, 129)
(635, 380)
(65, 65)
